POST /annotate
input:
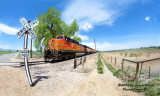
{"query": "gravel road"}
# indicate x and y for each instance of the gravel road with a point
(50, 79)
(6, 57)
(61, 79)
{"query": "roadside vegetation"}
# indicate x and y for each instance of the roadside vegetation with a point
(152, 88)
(39, 54)
(111, 68)
(6, 52)
(100, 65)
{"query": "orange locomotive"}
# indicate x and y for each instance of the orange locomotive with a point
(63, 47)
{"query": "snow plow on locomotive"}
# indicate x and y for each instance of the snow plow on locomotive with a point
(62, 47)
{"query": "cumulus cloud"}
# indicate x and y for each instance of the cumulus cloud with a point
(8, 30)
(90, 13)
(83, 37)
(147, 18)
(86, 26)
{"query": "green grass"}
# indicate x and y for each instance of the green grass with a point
(134, 70)
(6, 52)
(34, 53)
(126, 54)
(100, 65)
(153, 90)
(117, 73)
(19, 55)
(111, 68)
(39, 54)
(135, 54)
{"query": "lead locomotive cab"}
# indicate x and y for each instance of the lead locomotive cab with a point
(61, 47)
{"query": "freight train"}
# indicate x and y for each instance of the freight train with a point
(62, 47)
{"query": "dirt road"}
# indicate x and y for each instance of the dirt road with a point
(101, 85)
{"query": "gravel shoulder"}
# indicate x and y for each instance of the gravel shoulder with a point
(61, 79)
(50, 79)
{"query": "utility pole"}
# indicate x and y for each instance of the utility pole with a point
(95, 43)
(31, 49)
(31, 43)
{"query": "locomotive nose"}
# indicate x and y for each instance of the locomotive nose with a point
(51, 45)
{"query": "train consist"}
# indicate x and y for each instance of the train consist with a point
(62, 47)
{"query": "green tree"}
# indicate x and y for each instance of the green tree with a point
(50, 25)
(77, 38)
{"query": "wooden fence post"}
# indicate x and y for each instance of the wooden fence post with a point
(137, 69)
(115, 61)
(81, 60)
(149, 72)
(111, 59)
(84, 60)
(122, 63)
(75, 62)
(140, 69)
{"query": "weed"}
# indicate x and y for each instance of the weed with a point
(142, 73)
(100, 64)
(19, 55)
(116, 73)
(126, 54)
(134, 70)
(158, 78)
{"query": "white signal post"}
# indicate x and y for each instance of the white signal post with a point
(27, 29)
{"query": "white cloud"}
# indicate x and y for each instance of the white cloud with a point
(86, 26)
(8, 30)
(90, 13)
(147, 18)
(83, 37)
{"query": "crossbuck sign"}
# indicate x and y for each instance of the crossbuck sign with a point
(27, 29)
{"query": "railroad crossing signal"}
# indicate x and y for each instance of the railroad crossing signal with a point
(27, 29)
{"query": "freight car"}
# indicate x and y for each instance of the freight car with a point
(62, 47)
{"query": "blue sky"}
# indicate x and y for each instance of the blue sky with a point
(115, 24)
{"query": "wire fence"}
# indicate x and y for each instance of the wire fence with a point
(136, 69)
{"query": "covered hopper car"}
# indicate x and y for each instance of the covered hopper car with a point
(62, 47)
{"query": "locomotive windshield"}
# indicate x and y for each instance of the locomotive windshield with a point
(60, 37)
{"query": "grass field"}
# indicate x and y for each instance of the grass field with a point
(6, 52)
(34, 54)
(39, 54)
